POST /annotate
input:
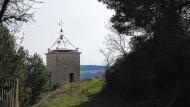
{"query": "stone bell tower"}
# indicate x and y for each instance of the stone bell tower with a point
(63, 61)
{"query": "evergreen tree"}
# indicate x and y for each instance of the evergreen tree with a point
(12, 57)
(37, 79)
(158, 65)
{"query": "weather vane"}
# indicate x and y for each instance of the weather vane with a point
(61, 31)
(61, 24)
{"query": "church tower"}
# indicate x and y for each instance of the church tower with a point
(63, 61)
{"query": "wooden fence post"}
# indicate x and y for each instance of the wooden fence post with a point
(17, 92)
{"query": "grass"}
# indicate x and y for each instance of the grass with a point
(72, 95)
(88, 93)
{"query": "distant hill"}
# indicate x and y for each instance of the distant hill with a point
(92, 67)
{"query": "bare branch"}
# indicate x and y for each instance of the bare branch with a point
(14, 13)
(3, 9)
(19, 18)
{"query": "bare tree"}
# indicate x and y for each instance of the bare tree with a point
(116, 45)
(13, 13)
(109, 57)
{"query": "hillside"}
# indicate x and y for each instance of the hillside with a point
(87, 93)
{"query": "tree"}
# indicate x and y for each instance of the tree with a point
(30, 70)
(12, 60)
(14, 12)
(12, 57)
(116, 45)
(146, 15)
(109, 57)
(37, 79)
(160, 54)
(161, 19)
(117, 42)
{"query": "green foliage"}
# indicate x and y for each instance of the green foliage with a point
(37, 80)
(30, 70)
(11, 60)
(147, 15)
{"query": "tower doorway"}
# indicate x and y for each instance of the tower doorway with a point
(71, 77)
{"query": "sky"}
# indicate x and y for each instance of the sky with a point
(84, 25)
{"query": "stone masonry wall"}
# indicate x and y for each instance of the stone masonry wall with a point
(61, 64)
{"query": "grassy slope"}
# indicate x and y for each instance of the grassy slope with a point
(87, 93)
